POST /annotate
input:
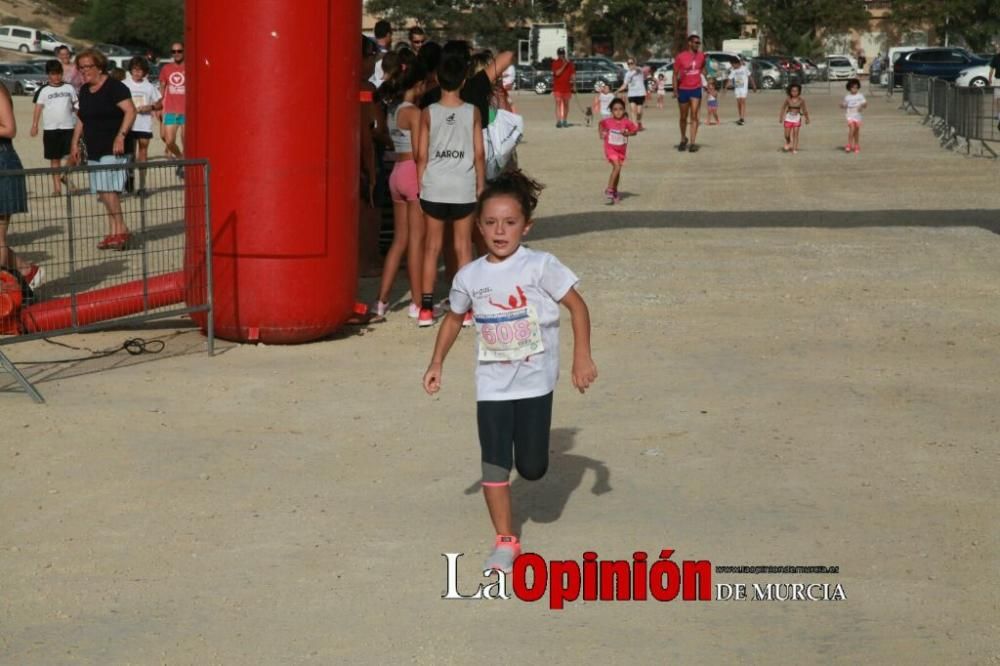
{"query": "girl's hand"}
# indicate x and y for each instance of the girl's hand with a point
(584, 373)
(432, 378)
(807, 120)
(118, 148)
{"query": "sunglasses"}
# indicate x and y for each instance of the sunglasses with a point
(418, 42)
(177, 50)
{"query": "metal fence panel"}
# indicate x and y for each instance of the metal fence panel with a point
(91, 273)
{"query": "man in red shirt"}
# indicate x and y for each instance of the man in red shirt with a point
(563, 79)
(688, 67)
(172, 87)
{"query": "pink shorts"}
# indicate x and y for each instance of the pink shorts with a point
(615, 153)
(403, 184)
(854, 121)
(789, 124)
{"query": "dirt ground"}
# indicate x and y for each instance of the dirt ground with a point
(797, 363)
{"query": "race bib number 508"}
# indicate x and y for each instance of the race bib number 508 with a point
(511, 335)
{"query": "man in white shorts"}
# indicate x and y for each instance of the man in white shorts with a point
(741, 80)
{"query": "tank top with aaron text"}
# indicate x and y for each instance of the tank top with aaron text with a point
(450, 175)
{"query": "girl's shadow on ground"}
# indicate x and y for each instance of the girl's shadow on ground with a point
(543, 501)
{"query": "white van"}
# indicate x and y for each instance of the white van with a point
(20, 38)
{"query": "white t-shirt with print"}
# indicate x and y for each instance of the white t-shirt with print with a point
(740, 76)
(605, 101)
(853, 104)
(515, 303)
(143, 93)
(636, 83)
(58, 103)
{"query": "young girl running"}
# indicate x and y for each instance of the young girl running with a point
(615, 131)
(602, 100)
(854, 103)
(713, 104)
(661, 90)
(402, 94)
(792, 112)
(514, 294)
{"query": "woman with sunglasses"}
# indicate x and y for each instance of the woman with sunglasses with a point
(635, 84)
(689, 66)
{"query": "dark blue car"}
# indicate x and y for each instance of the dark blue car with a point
(944, 63)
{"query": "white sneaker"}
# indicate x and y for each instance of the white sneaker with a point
(380, 308)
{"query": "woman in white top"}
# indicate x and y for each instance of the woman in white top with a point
(635, 84)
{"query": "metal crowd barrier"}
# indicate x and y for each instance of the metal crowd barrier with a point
(960, 116)
(162, 269)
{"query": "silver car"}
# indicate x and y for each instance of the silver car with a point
(840, 67)
(22, 79)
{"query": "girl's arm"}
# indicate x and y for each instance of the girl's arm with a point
(496, 69)
(447, 334)
(584, 369)
(805, 111)
(477, 142)
(8, 125)
(421, 146)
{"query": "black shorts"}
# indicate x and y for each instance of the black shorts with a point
(57, 143)
(135, 136)
(514, 431)
(447, 212)
(637, 100)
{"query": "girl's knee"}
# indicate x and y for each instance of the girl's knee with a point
(532, 471)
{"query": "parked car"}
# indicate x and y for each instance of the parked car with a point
(766, 74)
(839, 67)
(22, 78)
(591, 71)
(974, 77)
(524, 77)
(20, 38)
(723, 61)
(809, 68)
(791, 71)
(941, 62)
(51, 41)
(114, 50)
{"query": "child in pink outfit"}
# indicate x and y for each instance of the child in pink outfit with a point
(615, 132)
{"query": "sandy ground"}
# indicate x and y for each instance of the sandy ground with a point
(798, 366)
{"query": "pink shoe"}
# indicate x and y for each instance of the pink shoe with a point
(505, 551)
(857, 149)
(426, 318)
(848, 148)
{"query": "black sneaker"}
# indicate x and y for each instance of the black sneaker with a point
(739, 122)
(693, 148)
(683, 145)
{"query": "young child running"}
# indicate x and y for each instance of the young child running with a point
(602, 100)
(713, 104)
(661, 90)
(792, 112)
(146, 98)
(854, 103)
(402, 94)
(54, 104)
(514, 294)
(451, 170)
(615, 131)
(742, 80)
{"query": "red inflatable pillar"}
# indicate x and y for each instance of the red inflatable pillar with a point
(272, 103)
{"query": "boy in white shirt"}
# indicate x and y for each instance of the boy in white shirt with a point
(54, 105)
(147, 99)
(741, 79)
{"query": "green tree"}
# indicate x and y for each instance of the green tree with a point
(492, 23)
(797, 26)
(975, 21)
(152, 23)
